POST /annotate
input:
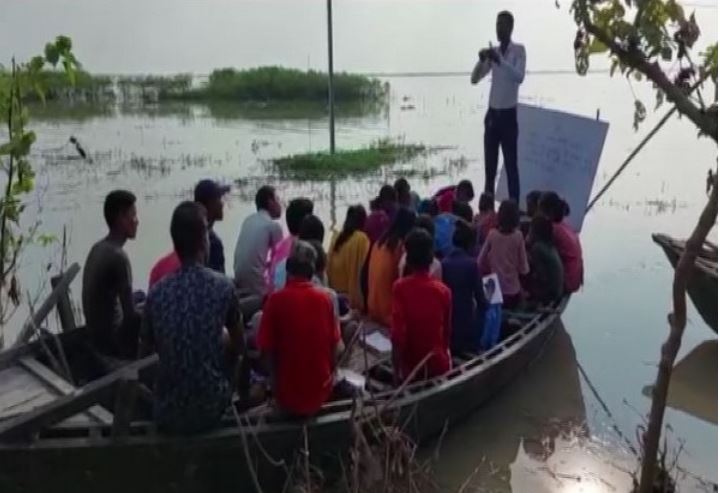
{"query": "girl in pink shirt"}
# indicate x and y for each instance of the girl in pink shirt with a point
(566, 240)
(503, 253)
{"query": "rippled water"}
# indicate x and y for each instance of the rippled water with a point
(548, 431)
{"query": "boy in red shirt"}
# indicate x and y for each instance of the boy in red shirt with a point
(421, 307)
(300, 337)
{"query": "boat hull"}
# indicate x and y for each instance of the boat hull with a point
(218, 461)
(702, 286)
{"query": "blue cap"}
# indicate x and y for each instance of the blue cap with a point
(209, 190)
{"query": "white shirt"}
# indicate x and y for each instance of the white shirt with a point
(259, 233)
(506, 76)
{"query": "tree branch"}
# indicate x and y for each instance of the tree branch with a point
(636, 59)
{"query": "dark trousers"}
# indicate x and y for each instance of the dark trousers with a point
(501, 129)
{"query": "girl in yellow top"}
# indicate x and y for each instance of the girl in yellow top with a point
(346, 256)
(383, 268)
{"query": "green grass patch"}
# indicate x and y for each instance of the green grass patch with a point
(346, 163)
(284, 84)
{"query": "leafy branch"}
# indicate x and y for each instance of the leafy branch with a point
(659, 33)
(23, 79)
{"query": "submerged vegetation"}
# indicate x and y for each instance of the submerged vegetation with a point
(344, 163)
(58, 87)
(283, 84)
(264, 85)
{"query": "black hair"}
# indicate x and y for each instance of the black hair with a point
(466, 187)
(320, 256)
(462, 210)
(398, 230)
(464, 235)
(296, 211)
(117, 202)
(531, 201)
(508, 216)
(302, 259)
(424, 221)
(312, 229)
(188, 229)
(419, 248)
(541, 229)
(354, 221)
(486, 202)
(553, 207)
(429, 207)
(264, 196)
(507, 15)
(402, 190)
(387, 195)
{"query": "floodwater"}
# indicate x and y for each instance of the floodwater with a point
(554, 429)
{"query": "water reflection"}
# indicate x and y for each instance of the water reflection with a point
(55, 111)
(539, 415)
(694, 383)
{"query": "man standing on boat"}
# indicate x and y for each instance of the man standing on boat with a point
(507, 64)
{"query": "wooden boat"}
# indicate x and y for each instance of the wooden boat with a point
(87, 434)
(703, 283)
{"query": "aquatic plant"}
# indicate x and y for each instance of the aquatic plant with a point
(22, 80)
(344, 163)
(56, 86)
(284, 84)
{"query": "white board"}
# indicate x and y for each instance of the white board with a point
(559, 152)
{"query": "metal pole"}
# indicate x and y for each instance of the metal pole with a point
(331, 91)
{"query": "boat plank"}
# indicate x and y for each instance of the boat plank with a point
(62, 387)
(69, 405)
(39, 316)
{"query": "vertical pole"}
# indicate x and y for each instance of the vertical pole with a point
(331, 92)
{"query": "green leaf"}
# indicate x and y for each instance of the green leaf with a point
(37, 63)
(597, 46)
(63, 44)
(52, 55)
(674, 11)
(613, 66)
(46, 239)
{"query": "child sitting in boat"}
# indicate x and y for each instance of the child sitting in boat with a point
(383, 266)
(347, 254)
(421, 313)
(566, 240)
(461, 275)
(296, 211)
(382, 212)
(425, 222)
(486, 218)
(531, 206)
(504, 254)
(462, 192)
(299, 337)
(545, 283)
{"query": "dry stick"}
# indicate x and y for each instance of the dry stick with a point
(671, 346)
(246, 452)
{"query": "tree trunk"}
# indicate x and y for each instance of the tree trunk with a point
(670, 349)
